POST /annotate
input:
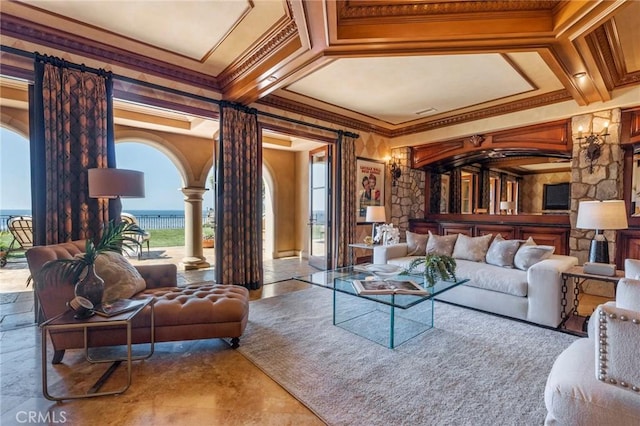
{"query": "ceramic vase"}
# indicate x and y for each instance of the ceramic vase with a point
(91, 286)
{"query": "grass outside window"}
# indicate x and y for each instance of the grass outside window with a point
(159, 238)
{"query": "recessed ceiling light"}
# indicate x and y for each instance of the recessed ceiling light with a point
(272, 78)
(426, 111)
(580, 74)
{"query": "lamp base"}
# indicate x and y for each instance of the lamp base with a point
(599, 251)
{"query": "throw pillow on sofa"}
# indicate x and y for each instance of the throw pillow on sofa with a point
(471, 248)
(121, 279)
(416, 244)
(501, 252)
(530, 253)
(441, 244)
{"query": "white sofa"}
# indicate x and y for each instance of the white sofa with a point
(596, 380)
(534, 295)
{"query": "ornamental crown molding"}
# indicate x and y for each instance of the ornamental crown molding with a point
(265, 49)
(349, 9)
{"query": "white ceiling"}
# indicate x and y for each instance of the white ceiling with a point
(405, 88)
(189, 28)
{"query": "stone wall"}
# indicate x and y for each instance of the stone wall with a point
(604, 182)
(407, 195)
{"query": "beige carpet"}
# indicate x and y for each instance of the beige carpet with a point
(471, 369)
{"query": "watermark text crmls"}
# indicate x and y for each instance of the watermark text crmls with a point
(39, 417)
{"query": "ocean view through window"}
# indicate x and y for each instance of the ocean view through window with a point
(147, 219)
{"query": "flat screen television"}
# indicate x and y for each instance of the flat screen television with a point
(556, 196)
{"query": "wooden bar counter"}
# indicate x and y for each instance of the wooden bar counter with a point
(545, 229)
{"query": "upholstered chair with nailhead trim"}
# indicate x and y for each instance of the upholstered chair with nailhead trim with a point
(596, 381)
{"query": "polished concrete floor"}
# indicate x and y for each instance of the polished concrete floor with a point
(202, 382)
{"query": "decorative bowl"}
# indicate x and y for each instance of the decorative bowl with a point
(384, 270)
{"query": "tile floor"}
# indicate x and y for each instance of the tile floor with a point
(205, 381)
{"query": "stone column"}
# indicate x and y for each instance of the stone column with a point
(601, 182)
(194, 258)
(407, 196)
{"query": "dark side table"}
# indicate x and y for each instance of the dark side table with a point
(576, 276)
(66, 321)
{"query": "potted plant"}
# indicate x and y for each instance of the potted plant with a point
(436, 267)
(114, 238)
(208, 236)
(4, 250)
(3, 255)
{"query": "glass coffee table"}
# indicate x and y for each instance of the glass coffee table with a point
(387, 319)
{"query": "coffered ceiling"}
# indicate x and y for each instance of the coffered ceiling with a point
(394, 67)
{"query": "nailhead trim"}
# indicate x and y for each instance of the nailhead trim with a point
(602, 373)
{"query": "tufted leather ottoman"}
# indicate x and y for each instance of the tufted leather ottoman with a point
(198, 311)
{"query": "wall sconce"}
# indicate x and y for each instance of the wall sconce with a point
(395, 171)
(592, 144)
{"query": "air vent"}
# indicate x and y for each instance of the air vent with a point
(427, 111)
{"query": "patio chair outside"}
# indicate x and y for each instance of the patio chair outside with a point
(21, 229)
(144, 238)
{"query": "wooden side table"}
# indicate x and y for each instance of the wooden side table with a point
(577, 276)
(66, 321)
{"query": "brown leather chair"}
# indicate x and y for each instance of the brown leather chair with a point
(197, 311)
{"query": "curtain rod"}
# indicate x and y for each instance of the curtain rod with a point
(35, 55)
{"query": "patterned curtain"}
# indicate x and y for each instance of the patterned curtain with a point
(455, 199)
(345, 188)
(239, 202)
(72, 131)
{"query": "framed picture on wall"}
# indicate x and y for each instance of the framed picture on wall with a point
(370, 183)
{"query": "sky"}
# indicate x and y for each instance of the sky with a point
(162, 180)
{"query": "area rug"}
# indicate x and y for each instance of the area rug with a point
(471, 368)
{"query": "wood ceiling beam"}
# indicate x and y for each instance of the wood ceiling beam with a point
(356, 22)
(282, 61)
(572, 53)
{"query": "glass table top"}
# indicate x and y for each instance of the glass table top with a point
(342, 280)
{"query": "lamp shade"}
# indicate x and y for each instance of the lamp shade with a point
(507, 205)
(602, 215)
(376, 214)
(113, 183)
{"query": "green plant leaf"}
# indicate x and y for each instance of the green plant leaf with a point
(436, 267)
(114, 238)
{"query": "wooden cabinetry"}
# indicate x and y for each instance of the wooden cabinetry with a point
(553, 230)
(627, 246)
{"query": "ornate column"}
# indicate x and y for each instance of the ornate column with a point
(194, 258)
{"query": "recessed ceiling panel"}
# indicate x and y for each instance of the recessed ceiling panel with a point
(401, 89)
(629, 34)
(188, 28)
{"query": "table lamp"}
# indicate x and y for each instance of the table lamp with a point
(601, 216)
(507, 206)
(375, 214)
(115, 183)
